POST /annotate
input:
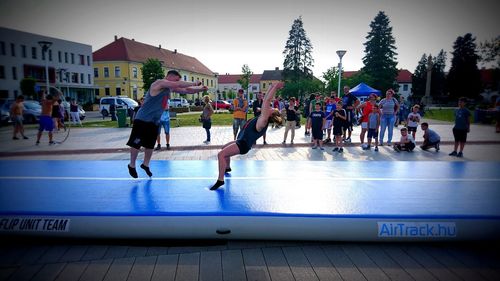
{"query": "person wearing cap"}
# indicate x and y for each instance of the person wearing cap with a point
(240, 106)
(145, 128)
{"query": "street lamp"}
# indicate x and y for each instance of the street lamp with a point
(340, 53)
(45, 47)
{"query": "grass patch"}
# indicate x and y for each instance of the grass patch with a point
(442, 114)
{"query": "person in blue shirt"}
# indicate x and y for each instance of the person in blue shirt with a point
(461, 128)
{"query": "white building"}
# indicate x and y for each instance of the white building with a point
(229, 82)
(69, 65)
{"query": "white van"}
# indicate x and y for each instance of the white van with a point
(178, 102)
(119, 102)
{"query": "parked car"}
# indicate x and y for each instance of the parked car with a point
(67, 109)
(119, 102)
(221, 104)
(4, 112)
(178, 102)
(31, 114)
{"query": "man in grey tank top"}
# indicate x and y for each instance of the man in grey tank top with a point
(145, 128)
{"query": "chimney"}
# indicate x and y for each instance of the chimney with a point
(133, 39)
(159, 46)
(175, 51)
(277, 68)
(116, 37)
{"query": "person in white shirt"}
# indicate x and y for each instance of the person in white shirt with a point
(413, 120)
(406, 143)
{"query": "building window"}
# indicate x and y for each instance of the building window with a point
(185, 78)
(72, 58)
(117, 71)
(14, 73)
(203, 81)
(211, 82)
(106, 71)
(2, 72)
(96, 72)
(74, 77)
(2, 48)
(66, 57)
(33, 53)
(67, 77)
(82, 59)
(50, 55)
(118, 91)
(134, 72)
(88, 60)
(263, 86)
(89, 78)
(106, 91)
(405, 87)
(23, 51)
(82, 78)
(192, 78)
(13, 49)
(59, 56)
(97, 91)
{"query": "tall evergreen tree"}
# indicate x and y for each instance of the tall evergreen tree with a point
(380, 54)
(419, 78)
(151, 71)
(438, 77)
(464, 78)
(298, 54)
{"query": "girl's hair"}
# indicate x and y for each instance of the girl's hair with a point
(206, 98)
(312, 96)
(275, 117)
(416, 106)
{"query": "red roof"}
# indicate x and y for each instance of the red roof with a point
(124, 49)
(233, 78)
(404, 76)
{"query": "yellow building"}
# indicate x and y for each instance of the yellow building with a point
(117, 68)
(270, 77)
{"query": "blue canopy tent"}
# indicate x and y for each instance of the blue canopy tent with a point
(363, 90)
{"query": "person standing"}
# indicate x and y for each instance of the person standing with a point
(350, 102)
(16, 115)
(240, 106)
(206, 117)
(388, 107)
(413, 120)
(291, 112)
(165, 124)
(329, 110)
(257, 109)
(339, 123)
(75, 114)
(46, 123)
(366, 110)
(317, 121)
(307, 112)
(373, 125)
(461, 128)
(247, 137)
(145, 128)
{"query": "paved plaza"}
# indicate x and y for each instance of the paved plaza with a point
(67, 259)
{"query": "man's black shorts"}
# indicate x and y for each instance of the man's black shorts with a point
(460, 135)
(143, 134)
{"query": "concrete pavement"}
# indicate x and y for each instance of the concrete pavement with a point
(187, 143)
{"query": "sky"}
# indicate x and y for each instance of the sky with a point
(226, 34)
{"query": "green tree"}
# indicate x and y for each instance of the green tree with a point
(419, 78)
(151, 71)
(244, 80)
(490, 51)
(27, 86)
(298, 54)
(464, 78)
(438, 77)
(380, 54)
(331, 77)
(357, 78)
(301, 88)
